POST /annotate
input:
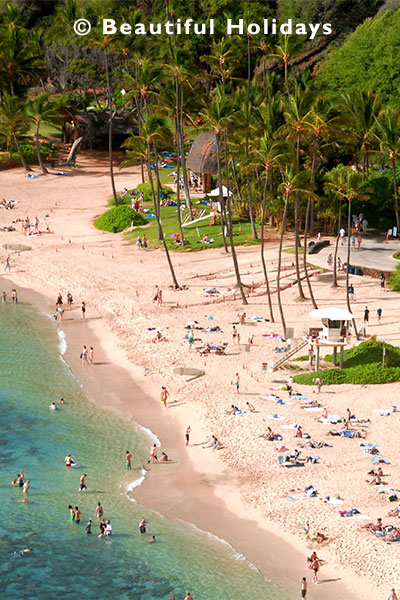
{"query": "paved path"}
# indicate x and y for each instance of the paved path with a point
(374, 253)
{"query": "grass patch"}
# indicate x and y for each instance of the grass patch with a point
(293, 250)
(362, 365)
(394, 279)
(193, 233)
(119, 217)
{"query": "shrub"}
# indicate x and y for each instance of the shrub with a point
(146, 189)
(362, 365)
(120, 217)
(394, 279)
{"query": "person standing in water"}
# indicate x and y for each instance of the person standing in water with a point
(164, 396)
(99, 512)
(82, 484)
(89, 527)
(68, 460)
(128, 458)
(83, 308)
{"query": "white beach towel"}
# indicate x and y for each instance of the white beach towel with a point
(276, 417)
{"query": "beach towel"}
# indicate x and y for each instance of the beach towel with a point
(330, 500)
(380, 460)
(276, 417)
(278, 437)
(369, 445)
(299, 496)
(384, 412)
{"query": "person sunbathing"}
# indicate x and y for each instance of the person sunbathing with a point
(377, 471)
(268, 435)
(395, 512)
(163, 457)
(393, 536)
(374, 526)
(324, 413)
(250, 407)
(320, 538)
(376, 480)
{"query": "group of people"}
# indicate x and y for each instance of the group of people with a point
(87, 355)
(14, 297)
(141, 242)
(60, 306)
(18, 481)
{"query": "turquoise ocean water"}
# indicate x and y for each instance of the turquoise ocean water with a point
(66, 563)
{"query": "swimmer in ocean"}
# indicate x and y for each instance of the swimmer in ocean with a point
(24, 551)
(53, 406)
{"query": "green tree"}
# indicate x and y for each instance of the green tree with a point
(388, 134)
(14, 120)
(42, 110)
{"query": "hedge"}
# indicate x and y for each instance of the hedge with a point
(120, 217)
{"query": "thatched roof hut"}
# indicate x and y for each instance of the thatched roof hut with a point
(202, 157)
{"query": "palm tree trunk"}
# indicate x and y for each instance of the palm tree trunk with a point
(278, 275)
(178, 200)
(396, 202)
(21, 156)
(221, 198)
(251, 214)
(335, 283)
(40, 160)
(348, 265)
(271, 314)
(297, 242)
(305, 253)
(110, 130)
(183, 158)
(171, 268)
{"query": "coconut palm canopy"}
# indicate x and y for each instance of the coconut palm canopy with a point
(202, 157)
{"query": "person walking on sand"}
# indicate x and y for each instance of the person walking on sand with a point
(84, 355)
(318, 383)
(234, 334)
(90, 355)
(153, 454)
(237, 382)
(160, 299)
(128, 458)
(4, 297)
(315, 567)
(304, 587)
(393, 595)
(379, 313)
(187, 434)
(366, 316)
(7, 264)
(164, 396)
(83, 309)
(383, 281)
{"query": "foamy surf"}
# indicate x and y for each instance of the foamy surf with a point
(148, 433)
(62, 342)
(134, 484)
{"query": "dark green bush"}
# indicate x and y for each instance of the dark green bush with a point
(394, 280)
(362, 365)
(120, 217)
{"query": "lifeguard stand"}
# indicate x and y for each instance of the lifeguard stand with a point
(333, 333)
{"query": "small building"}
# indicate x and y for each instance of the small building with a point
(334, 332)
(202, 158)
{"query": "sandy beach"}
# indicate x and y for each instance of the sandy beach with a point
(238, 493)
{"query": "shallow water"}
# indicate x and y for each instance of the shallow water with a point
(65, 562)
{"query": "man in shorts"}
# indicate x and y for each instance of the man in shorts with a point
(304, 587)
(128, 458)
(82, 484)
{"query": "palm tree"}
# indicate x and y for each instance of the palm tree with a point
(18, 56)
(359, 111)
(219, 115)
(353, 187)
(268, 156)
(14, 119)
(388, 134)
(154, 130)
(43, 110)
(335, 181)
(293, 182)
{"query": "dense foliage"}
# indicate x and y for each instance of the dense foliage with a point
(362, 364)
(120, 217)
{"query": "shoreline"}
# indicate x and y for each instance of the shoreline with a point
(80, 258)
(182, 492)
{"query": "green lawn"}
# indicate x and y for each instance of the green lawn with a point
(193, 233)
(46, 130)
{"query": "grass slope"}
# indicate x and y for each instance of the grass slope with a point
(362, 365)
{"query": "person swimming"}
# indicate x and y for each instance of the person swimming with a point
(23, 552)
(53, 406)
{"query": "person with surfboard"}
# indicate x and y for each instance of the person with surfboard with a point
(69, 461)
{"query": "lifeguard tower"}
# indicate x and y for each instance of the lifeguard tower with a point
(333, 333)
